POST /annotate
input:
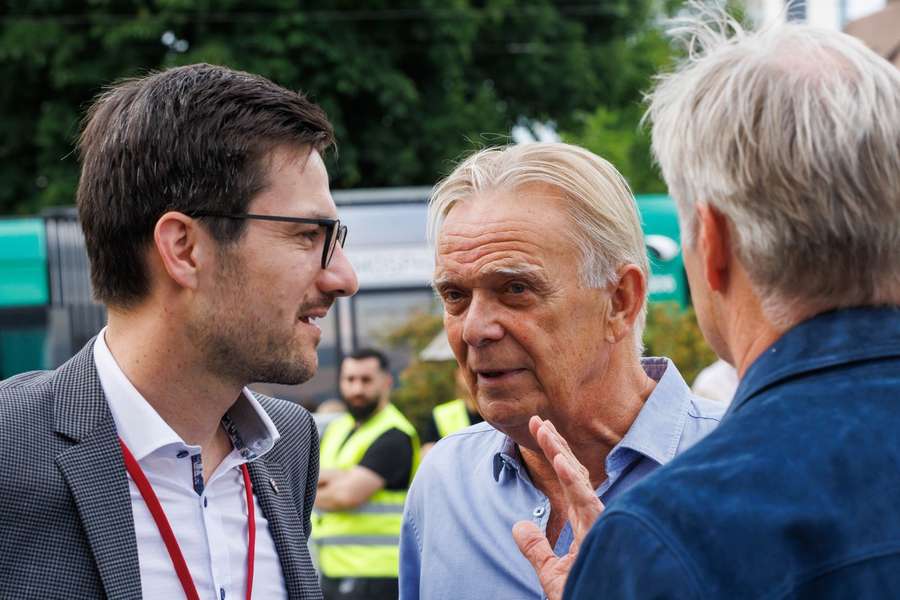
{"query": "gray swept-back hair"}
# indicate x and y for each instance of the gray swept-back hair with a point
(605, 222)
(793, 133)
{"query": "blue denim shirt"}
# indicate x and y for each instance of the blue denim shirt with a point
(795, 495)
(456, 541)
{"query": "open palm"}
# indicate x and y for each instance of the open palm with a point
(584, 508)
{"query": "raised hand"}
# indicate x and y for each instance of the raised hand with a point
(584, 508)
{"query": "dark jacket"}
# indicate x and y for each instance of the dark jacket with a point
(66, 528)
(795, 495)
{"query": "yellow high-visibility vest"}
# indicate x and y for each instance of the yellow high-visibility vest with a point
(451, 416)
(362, 542)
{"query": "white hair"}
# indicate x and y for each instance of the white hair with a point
(605, 223)
(793, 133)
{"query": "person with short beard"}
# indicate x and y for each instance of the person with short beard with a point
(369, 457)
(143, 467)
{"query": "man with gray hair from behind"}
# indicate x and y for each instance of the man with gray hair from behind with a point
(782, 150)
(542, 269)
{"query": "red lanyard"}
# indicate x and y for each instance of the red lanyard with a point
(168, 536)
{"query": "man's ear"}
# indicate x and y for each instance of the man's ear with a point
(626, 301)
(714, 245)
(176, 237)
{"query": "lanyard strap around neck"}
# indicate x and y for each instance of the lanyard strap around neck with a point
(168, 536)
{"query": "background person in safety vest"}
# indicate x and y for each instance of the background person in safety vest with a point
(450, 417)
(368, 458)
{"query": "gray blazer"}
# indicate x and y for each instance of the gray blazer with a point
(66, 528)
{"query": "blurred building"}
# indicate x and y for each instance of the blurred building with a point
(832, 14)
(880, 31)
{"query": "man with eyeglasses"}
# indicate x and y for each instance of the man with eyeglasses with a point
(144, 467)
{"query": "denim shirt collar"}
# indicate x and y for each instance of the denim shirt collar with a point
(829, 339)
(655, 433)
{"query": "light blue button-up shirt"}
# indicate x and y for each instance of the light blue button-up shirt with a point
(456, 541)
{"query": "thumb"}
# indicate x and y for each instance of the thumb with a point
(533, 544)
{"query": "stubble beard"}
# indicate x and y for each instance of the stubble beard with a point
(244, 348)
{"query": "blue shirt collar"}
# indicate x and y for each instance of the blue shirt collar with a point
(832, 338)
(656, 430)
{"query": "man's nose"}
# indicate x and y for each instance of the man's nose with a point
(481, 322)
(338, 278)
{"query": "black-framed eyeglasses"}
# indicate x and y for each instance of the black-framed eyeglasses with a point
(335, 233)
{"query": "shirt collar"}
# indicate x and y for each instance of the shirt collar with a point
(656, 430)
(251, 430)
(506, 456)
(824, 341)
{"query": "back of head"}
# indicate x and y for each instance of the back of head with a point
(605, 223)
(793, 133)
(191, 138)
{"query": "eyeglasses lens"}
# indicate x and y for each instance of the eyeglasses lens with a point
(338, 236)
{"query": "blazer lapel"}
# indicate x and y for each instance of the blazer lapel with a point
(274, 494)
(94, 470)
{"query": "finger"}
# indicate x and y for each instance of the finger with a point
(533, 545)
(562, 440)
(553, 445)
(584, 506)
(534, 424)
(548, 441)
(562, 447)
(560, 443)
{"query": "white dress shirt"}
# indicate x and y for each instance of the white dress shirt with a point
(209, 521)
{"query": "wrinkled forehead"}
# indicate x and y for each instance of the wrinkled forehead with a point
(493, 239)
(502, 214)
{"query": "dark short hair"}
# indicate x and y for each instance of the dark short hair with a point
(185, 139)
(364, 353)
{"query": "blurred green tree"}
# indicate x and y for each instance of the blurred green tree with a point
(410, 85)
(613, 129)
(423, 384)
(673, 332)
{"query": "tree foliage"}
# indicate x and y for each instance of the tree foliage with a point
(410, 85)
(422, 385)
(673, 332)
(613, 130)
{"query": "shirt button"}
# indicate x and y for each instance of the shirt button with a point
(182, 454)
(538, 512)
(204, 502)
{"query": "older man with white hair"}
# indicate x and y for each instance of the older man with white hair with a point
(782, 149)
(542, 270)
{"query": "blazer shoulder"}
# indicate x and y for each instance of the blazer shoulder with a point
(294, 423)
(25, 392)
(26, 383)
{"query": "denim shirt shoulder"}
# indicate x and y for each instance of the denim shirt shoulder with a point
(770, 504)
(831, 339)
